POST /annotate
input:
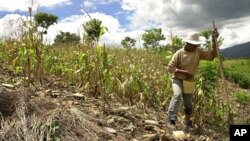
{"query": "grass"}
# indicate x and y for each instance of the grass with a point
(237, 70)
(240, 65)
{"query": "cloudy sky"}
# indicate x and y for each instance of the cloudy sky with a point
(132, 17)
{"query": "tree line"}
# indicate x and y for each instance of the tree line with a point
(94, 29)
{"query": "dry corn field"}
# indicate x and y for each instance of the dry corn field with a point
(105, 94)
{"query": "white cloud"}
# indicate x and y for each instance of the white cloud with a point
(92, 4)
(177, 4)
(23, 5)
(11, 26)
(180, 16)
(88, 4)
(235, 32)
(71, 24)
(186, 16)
(145, 13)
(105, 2)
(130, 5)
(113, 37)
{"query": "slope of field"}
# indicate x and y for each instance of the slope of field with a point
(62, 112)
(81, 93)
(237, 70)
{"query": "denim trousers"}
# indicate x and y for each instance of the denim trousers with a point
(177, 86)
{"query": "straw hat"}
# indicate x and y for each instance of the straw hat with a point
(193, 38)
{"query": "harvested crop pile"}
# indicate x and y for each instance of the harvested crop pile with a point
(8, 100)
(40, 119)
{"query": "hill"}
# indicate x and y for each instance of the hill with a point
(238, 51)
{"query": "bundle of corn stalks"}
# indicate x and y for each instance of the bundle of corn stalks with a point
(8, 100)
(42, 120)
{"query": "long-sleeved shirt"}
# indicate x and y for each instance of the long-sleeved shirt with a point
(185, 60)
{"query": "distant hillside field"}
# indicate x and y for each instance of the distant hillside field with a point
(238, 51)
(238, 70)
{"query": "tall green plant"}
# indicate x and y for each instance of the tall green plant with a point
(152, 38)
(30, 51)
(44, 20)
(94, 30)
(176, 44)
(67, 38)
(206, 101)
(243, 98)
(128, 42)
(206, 98)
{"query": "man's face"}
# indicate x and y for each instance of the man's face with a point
(191, 47)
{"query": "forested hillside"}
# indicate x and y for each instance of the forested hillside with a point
(238, 51)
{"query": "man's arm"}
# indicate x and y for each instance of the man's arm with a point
(210, 55)
(172, 66)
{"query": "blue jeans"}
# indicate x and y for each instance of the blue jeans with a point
(176, 99)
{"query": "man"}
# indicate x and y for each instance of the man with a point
(184, 65)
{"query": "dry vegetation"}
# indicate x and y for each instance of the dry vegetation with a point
(71, 105)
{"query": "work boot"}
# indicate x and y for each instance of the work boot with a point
(189, 124)
(171, 125)
(189, 127)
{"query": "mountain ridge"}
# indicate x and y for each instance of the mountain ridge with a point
(237, 51)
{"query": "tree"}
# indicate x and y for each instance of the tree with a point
(128, 42)
(207, 35)
(94, 30)
(176, 43)
(67, 38)
(152, 37)
(45, 20)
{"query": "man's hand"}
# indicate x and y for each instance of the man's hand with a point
(188, 74)
(215, 34)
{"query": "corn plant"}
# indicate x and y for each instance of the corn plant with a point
(243, 98)
(26, 55)
(206, 99)
(1, 50)
(82, 67)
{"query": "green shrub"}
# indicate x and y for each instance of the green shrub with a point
(238, 78)
(237, 71)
